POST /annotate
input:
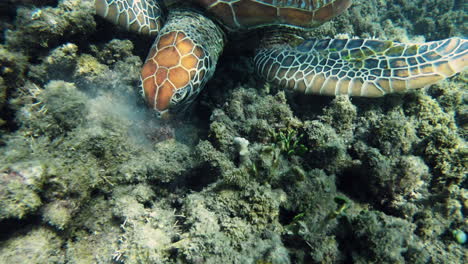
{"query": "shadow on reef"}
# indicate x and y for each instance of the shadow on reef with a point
(8, 12)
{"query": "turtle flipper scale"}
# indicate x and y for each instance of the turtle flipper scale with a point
(142, 16)
(361, 67)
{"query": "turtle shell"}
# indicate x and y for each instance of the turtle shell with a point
(247, 14)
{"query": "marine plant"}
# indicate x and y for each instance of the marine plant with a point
(288, 140)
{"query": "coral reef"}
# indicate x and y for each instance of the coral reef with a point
(88, 175)
(12, 72)
(21, 184)
(3, 97)
(385, 239)
(44, 28)
(401, 20)
(37, 245)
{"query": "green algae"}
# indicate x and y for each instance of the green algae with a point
(23, 182)
(3, 97)
(38, 245)
(44, 28)
(13, 67)
(57, 109)
(288, 141)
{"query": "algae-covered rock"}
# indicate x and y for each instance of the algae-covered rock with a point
(58, 108)
(236, 226)
(147, 232)
(58, 214)
(442, 146)
(88, 71)
(384, 239)
(88, 68)
(314, 224)
(43, 28)
(21, 184)
(96, 233)
(115, 51)
(341, 115)
(394, 134)
(60, 64)
(267, 122)
(38, 245)
(171, 161)
(64, 63)
(432, 18)
(327, 148)
(13, 67)
(397, 182)
(219, 164)
(246, 112)
(400, 19)
(3, 100)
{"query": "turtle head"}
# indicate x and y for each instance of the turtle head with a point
(173, 73)
(180, 62)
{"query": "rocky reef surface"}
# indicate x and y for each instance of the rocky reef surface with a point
(256, 175)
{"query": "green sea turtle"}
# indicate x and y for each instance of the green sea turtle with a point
(190, 35)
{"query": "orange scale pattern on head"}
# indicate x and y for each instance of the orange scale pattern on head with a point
(171, 65)
(167, 57)
(166, 40)
(198, 52)
(161, 75)
(185, 47)
(192, 73)
(189, 61)
(166, 90)
(149, 68)
(179, 37)
(179, 77)
(149, 88)
(202, 74)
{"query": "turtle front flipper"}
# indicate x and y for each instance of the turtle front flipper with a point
(142, 16)
(361, 67)
(182, 59)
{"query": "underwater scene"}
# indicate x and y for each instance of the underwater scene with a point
(257, 132)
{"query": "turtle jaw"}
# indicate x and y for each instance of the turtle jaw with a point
(180, 62)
